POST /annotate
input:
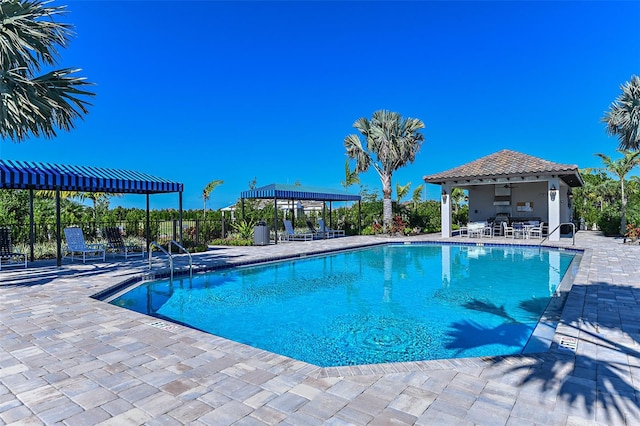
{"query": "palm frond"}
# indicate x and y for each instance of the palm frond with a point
(28, 35)
(41, 105)
(36, 105)
(623, 117)
(353, 144)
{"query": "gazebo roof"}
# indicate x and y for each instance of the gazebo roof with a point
(507, 164)
(298, 192)
(48, 176)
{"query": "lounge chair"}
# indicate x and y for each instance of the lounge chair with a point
(9, 257)
(330, 232)
(291, 235)
(76, 244)
(316, 233)
(116, 243)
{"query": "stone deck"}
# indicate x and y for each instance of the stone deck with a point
(66, 358)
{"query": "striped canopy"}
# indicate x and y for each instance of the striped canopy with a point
(47, 176)
(296, 192)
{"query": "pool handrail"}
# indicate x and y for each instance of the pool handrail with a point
(175, 243)
(573, 232)
(162, 249)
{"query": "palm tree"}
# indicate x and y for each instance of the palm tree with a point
(620, 168)
(458, 196)
(350, 177)
(402, 191)
(391, 142)
(36, 105)
(623, 117)
(417, 195)
(95, 197)
(206, 193)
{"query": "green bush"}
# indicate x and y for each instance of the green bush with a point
(232, 242)
(609, 222)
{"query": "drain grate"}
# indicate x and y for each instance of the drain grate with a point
(568, 343)
(163, 325)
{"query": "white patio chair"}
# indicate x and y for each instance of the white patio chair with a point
(536, 230)
(475, 229)
(508, 230)
(76, 244)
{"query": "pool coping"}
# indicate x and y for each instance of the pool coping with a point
(545, 332)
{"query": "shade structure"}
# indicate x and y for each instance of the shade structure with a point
(297, 192)
(277, 192)
(32, 176)
(49, 176)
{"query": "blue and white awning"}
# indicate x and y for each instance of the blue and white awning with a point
(296, 192)
(47, 176)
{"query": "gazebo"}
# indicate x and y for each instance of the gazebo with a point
(294, 193)
(58, 177)
(512, 185)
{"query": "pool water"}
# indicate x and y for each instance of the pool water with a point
(382, 304)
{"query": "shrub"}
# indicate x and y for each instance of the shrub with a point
(633, 232)
(245, 229)
(609, 222)
(232, 242)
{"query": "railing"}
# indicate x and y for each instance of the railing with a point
(175, 243)
(573, 232)
(170, 256)
(155, 244)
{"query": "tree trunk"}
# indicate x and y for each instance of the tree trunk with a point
(623, 219)
(387, 204)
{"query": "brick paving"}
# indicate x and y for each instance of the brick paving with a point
(66, 358)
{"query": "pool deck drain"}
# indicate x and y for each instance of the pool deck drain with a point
(68, 359)
(163, 325)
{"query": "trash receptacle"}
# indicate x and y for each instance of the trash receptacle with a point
(261, 234)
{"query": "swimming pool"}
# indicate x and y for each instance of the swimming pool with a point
(381, 304)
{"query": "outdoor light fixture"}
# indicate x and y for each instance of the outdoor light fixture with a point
(569, 193)
(552, 192)
(444, 195)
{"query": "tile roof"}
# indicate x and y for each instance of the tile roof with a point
(502, 164)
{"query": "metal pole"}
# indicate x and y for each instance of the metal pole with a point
(330, 214)
(180, 217)
(32, 227)
(58, 237)
(147, 226)
(275, 218)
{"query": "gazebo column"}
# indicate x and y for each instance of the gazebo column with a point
(553, 186)
(445, 210)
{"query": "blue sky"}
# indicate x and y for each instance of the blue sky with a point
(194, 91)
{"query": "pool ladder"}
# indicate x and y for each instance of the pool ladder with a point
(168, 253)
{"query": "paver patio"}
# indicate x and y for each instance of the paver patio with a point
(66, 358)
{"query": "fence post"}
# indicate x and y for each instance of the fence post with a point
(223, 227)
(175, 233)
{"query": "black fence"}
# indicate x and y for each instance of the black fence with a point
(195, 231)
